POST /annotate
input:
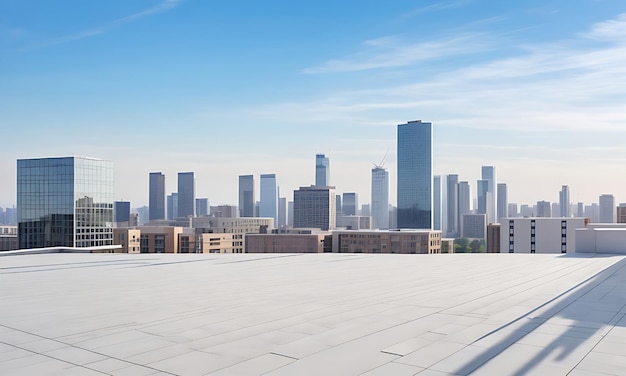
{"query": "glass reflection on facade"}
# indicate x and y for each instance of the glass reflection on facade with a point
(415, 175)
(64, 202)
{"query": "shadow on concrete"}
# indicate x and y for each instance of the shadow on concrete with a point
(569, 305)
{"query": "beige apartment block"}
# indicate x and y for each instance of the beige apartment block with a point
(128, 238)
(155, 239)
(285, 243)
(210, 243)
(405, 241)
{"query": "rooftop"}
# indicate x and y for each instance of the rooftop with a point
(312, 314)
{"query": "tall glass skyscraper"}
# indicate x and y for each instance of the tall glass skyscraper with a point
(186, 195)
(246, 196)
(489, 174)
(64, 202)
(268, 206)
(380, 198)
(322, 170)
(156, 203)
(415, 175)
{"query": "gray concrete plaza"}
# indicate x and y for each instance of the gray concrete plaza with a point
(312, 314)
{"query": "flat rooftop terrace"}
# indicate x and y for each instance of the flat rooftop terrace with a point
(312, 314)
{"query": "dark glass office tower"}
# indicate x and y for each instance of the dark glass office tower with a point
(121, 211)
(186, 195)
(415, 175)
(65, 202)
(246, 196)
(156, 204)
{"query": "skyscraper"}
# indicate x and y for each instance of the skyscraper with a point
(172, 206)
(65, 202)
(453, 215)
(202, 207)
(415, 175)
(246, 196)
(503, 203)
(564, 202)
(380, 198)
(121, 211)
(350, 203)
(482, 193)
(607, 208)
(437, 203)
(268, 205)
(322, 170)
(489, 174)
(186, 195)
(464, 201)
(314, 207)
(156, 202)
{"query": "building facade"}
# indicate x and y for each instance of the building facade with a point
(415, 175)
(405, 241)
(322, 170)
(65, 202)
(540, 235)
(474, 226)
(350, 203)
(285, 243)
(186, 195)
(156, 199)
(246, 196)
(380, 198)
(607, 209)
(314, 207)
(121, 211)
(268, 205)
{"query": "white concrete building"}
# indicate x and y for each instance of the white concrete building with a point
(602, 238)
(540, 235)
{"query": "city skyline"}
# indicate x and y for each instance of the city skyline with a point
(533, 89)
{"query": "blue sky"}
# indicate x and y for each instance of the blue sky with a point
(536, 88)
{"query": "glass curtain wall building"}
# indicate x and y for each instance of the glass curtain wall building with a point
(66, 202)
(268, 206)
(322, 170)
(246, 196)
(380, 198)
(186, 195)
(415, 175)
(156, 205)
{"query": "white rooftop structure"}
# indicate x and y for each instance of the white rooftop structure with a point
(312, 314)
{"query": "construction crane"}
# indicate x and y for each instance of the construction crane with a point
(382, 162)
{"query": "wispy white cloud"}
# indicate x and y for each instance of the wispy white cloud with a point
(392, 52)
(438, 6)
(161, 7)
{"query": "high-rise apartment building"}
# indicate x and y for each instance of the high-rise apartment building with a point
(452, 205)
(415, 175)
(156, 200)
(246, 196)
(564, 202)
(186, 195)
(380, 198)
(607, 209)
(322, 170)
(268, 205)
(66, 202)
(314, 207)
(350, 203)
(489, 174)
(503, 202)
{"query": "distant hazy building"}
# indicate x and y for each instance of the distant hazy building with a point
(513, 210)
(186, 194)
(621, 213)
(228, 211)
(314, 207)
(354, 222)
(322, 170)
(246, 196)
(156, 202)
(350, 203)
(544, 209)
(65, 202)
(268, 205)
(121, 211)
(539, 235)
(564, 202)
(415, 175)
(489, 174)
(290, 213)
(172, 206)
(526, 211)
(8, 216)
(503, 202)
(607, 209)
(592, 212)
(338, 206)
(453, 208)
(464, 202)
(474, 226)
(282, 212)
(482, 189)
(437, 203)
(143, 213)
(380, 198)
(580, 210)
(202, 207)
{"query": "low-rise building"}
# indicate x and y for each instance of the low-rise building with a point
(128, 238)
(8, 238)
(159, 239)
(354, 222)
(286, 243)
(540, 235)
(602, 238)
(391, 241)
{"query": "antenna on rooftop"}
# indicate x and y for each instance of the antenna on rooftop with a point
(382, 162)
